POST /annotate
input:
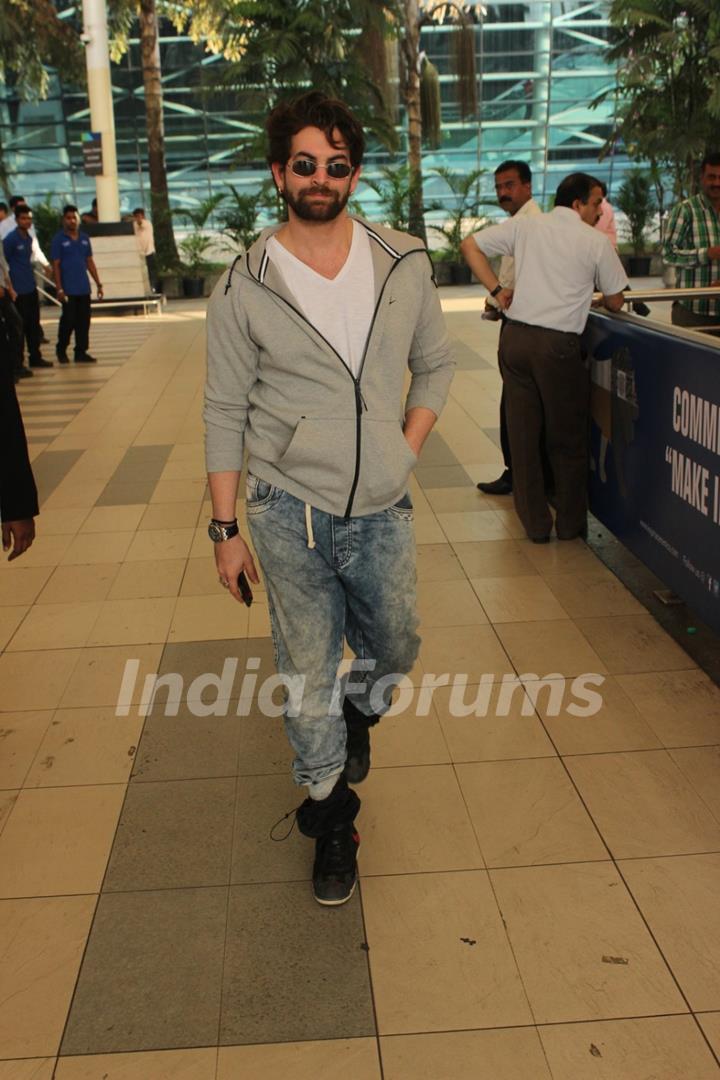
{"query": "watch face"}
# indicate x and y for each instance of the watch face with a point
(215, 532)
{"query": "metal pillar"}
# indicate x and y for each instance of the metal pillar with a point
(102, 118)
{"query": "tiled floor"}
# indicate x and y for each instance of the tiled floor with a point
(540, 860)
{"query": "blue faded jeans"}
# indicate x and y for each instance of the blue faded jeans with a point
(357, 582)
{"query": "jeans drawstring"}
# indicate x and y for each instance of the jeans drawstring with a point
(308, 526)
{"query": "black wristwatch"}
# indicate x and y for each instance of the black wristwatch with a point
(222, 530)
(498, 288)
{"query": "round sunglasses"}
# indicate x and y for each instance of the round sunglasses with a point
(336, 170)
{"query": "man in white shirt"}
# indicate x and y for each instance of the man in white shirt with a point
(145, 236)
(513, 187)
(559, 257)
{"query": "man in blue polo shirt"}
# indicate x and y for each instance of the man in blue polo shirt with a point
(72, 260)
(18, 248)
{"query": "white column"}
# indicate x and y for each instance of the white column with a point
(102, 118)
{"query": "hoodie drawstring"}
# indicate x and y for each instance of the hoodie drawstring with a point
(309, 526)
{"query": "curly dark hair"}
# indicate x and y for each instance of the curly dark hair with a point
(313, 109)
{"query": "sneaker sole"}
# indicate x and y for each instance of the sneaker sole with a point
(337, 903)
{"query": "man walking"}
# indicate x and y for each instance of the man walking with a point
(692, 246)
(18, 494)
(558, 259)
(513, 187)
(18, 248)
(309, 339)
(145, 236)
(71, 255)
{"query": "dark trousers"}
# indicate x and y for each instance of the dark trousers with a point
(28, 306)
(505, 438)
(547, 384)
(75, 318)
(151, 263)
(12, 326)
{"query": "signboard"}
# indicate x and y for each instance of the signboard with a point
(655, 453)
(92, 153)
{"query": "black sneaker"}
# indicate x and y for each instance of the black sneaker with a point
(335, 867)
(23, 373)
(62, 357)
(85, 358)
(39, 362)
(357, 746)
(501, 486)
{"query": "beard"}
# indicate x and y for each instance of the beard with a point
(325, 211)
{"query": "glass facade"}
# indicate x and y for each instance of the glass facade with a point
(539, 66)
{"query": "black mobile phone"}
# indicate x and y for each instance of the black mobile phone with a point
(245, 590)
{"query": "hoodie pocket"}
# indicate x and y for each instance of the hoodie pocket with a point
(386, 460)
(321, 456)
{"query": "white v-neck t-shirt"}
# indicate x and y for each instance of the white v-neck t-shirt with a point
(340, 308)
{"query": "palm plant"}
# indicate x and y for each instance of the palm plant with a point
(241, 218)
(636, 200)
(396, 190)
(465, 206)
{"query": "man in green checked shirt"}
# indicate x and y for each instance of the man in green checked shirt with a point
(692, 246)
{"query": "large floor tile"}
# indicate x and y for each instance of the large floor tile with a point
(88, 550)
(471, 651)
(24, 585)
(583, 950)
(455, 604)
(34, 681)
(48, 626)
(69, 832)
(105, 519)
(197, 1064)
(414, 820)
(510, 1054)
(188, 746)
(682, 707)
(654, 1048)
(517, 599)
(680, 899)
(493, 558)
(151, 975)
(209, 618)
(172, 835)
(278, 984)
(593, 593)
(408, 738)
(85, 746)
(490, 721)
(465, 526)
(70, 584)
(710, 1023)
(21, 734)
(701, 765)
(8, 798)
(439, 956)
(528, 812)
(183, 515)
(159, 544)
(555, 647)
(633, 643)
(45, 551)
(353, 1058)
(41, 943)
(643, 805)
(153, 577)
(264, 748)
(10, 619)
(100, 675)
(133, 622)
(591, 717)
(28, 1069)
(266, 846)
(438, 562)
(562, 557)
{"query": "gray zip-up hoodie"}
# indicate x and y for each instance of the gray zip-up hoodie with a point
(277, 386)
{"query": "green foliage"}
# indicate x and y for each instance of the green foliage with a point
(466, 205)
(668, 89)
(193, 249)
(199, 215)
(637, 202)
(31, 37)
(47, 219)
(241, 220)
(394, 191)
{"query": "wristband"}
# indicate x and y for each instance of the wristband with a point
(498, 288)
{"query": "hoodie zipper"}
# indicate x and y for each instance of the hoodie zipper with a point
(360, 403)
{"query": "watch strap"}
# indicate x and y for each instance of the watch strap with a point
(498, 288)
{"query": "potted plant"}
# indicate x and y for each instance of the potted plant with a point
(395, 190)
(196, 243)
(637, 202)
(465, 206)
(241, 219)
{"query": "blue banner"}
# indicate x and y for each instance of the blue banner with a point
(655, 452)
